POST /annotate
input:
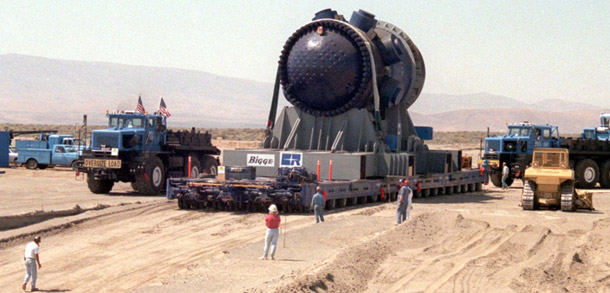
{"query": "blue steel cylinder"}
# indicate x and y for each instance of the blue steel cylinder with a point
(327, 69)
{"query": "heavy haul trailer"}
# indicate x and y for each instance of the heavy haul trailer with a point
(350, 84)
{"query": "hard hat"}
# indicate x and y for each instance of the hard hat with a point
(272, 208)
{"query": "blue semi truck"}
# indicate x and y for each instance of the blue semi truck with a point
(49, 150)
(138, 148)
(589, 153)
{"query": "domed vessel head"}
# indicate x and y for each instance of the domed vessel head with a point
(329, 65)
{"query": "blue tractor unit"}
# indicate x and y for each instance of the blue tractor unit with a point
(138, 148)
(516, 149)
(600, 133)
(348, 131)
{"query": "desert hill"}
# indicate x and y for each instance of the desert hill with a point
(50, 91)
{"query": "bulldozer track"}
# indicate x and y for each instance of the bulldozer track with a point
(567, 197)
(528, 196)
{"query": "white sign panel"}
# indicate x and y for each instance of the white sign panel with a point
(221, 170)
(290, 159)
(261, 160)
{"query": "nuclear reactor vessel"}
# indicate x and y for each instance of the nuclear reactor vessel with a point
(348, 130)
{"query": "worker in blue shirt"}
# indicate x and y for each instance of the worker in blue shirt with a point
(405, 196)
(317, 204)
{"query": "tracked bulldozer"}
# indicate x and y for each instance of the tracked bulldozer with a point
(549, 182)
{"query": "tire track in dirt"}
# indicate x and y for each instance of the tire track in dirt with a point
(489, 269)
(353, 267)
(129, 250)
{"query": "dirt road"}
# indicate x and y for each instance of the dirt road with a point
(475, 242)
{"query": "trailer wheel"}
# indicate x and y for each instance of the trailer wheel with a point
(604, 179)
(31, 164)
(99, 186)
(180, 203)
(373, 198)
(195, 166)
(210, 166)
(151, 181)
(587, 173)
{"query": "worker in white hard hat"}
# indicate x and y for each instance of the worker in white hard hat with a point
(273, 232)
(405, 196)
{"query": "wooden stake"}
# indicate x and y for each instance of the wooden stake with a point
(284, 230)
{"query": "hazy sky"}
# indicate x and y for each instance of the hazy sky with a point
(528, 50)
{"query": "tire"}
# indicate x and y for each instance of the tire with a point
(496, 179)
(373, 198)
(134, 186)
(152, 180)
(330, 204)
(604, 179)
(31, 164)
(99, 186)
(74, 165)
(586, 173)
(209, 166)
(195, 166)
(528, 196)
(181, 203)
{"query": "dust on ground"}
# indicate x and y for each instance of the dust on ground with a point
(464, 242)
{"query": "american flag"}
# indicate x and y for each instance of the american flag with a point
(163, 109)
(139, 106)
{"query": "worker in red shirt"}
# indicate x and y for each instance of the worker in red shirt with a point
(273, 232)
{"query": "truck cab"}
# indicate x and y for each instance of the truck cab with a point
(128, 131)
(602, 132)
(516, 148)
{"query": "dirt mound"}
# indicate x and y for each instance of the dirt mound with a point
(579, 263)
(351, 270)
(18, 221)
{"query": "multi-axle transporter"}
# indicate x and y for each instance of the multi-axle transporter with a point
(348, 129)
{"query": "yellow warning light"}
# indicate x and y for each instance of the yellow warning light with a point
(107, 111)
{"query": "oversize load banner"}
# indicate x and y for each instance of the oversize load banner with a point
(261, 160)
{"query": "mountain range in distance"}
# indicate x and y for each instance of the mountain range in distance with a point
(37, 90)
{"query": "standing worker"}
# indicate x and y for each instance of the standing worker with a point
(317, 204)
(31, 259)
(405, 197)
(273, 232)
(485, 167)
(505, 172)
